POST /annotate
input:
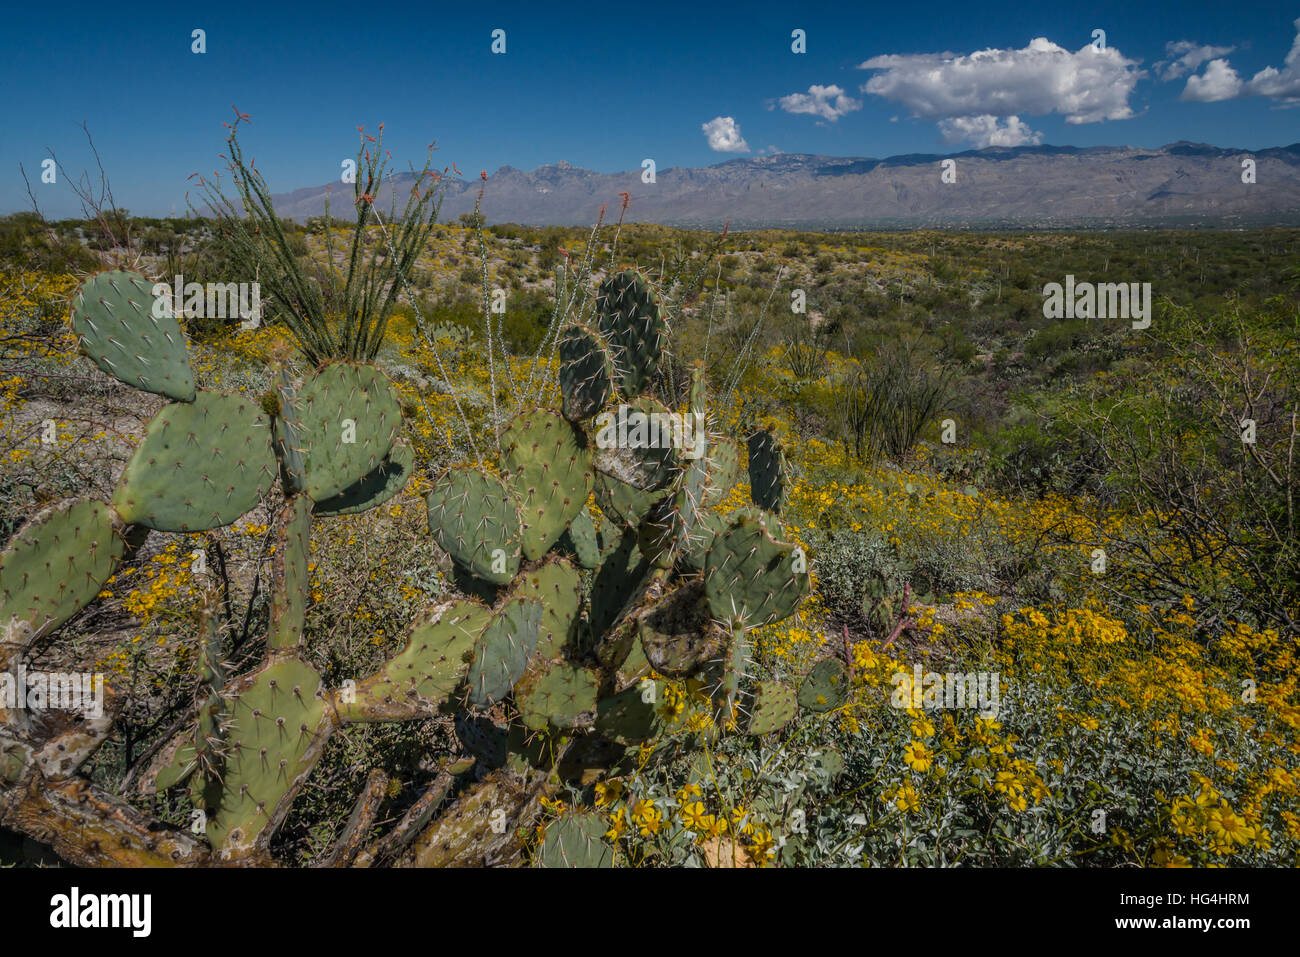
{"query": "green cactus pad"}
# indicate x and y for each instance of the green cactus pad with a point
(501, 655)
(286, 438)
(113, 315)
(627, 717)
(426, 673)
(289, 575)
(630, 320)
(586, 373)
(723, 456)
(202, 464)
(729, 669)
(339, 403)
(558, 586)
(625, 503)
(749, 576)
(582, 535)
(556, 693)
(548, 465)
(475, 518)
(826, 686)
(375, 487)
(277, 731)
(694, 551)
(576, 840)
(53, 567)
(766, 471)
(677, 633)
(771, 708)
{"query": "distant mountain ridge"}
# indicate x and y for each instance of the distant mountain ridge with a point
(1181, 184)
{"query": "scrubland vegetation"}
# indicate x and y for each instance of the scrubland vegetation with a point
(1066, 504)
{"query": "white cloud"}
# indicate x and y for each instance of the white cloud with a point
(1086, 87)
(724, 135)
(982, 131)
(1186, 57)
(1281, 84)
(1218, 82)
(1221, 82)
(828, 102)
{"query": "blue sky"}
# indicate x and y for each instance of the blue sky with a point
(605, 85)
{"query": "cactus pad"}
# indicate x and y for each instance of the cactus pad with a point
(766, 471)
(628, 717)
(55, 565)
(724, 468)
(501, 655)
(113, 315)
(826, 686)
(475, 518)
(575, 840)
(772, 707)
(677, 634)
(547, 463)
(750, 577)
(349, 417)
(582, 536)
(586, 373)
(555, 694)
(558, 586)
(631, 321)
(202, 464)
(426, 673)
(289, 574)
(375, 487)
(276, 733)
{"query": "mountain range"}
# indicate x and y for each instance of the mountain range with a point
(1181, 184)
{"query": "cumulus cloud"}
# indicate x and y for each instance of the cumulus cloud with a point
(1221, 82)
(828, 102)
(1085, 87)
(1186, 57)
(988, 130)
(724, 135)
(1218, 82)
(1283, 84)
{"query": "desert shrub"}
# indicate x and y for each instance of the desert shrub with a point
(888, 402)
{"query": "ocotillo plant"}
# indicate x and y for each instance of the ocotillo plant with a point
(673, 589)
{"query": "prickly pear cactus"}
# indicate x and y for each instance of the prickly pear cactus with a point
(555, 663)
